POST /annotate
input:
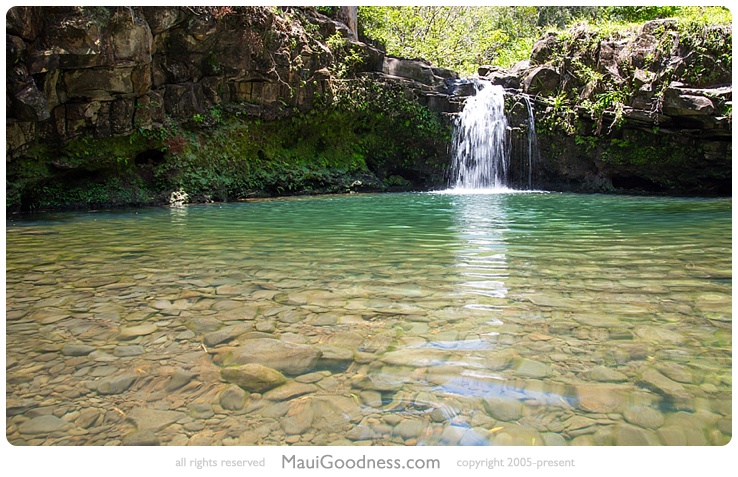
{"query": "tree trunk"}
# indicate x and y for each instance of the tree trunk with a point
(348, 15)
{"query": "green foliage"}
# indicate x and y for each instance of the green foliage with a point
(458, 38)
(347, 58)
(84, 172)
(641, 151)
(463, 38)
(589, 143)
(639, 14)
(558, 115)
(366, 130)
(664, 160)
(611, 102)
(114, 191)
(686, 14)
(327, 11)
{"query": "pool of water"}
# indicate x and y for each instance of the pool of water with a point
(391, 319)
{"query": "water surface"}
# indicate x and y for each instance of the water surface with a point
(454, 319)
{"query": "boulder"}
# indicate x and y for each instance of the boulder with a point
(253, 377)
(130, 37)
(602, 398)
(98, 83)
(657, 382)
(678, 104)
(418, 71)
(43, 425)
(542, 80)
(184, 100)
(26, 101)
(161, 19)
(544, 48)
(25, 22)
(15, 49)
(504, 409)
(290, 358)
(234, 398)
(153, 420)
(121, 116)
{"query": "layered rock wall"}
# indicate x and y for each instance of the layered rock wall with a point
(647, 111)
(77, 76)
(100, 72)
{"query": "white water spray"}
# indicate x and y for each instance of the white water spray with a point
(532, 141)
(480, 157)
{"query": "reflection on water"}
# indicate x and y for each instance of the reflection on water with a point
(412, 319)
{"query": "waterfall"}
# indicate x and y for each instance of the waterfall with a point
(527, 151)
(480, 157)
(483, 143)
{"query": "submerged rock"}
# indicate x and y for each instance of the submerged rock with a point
(504, 409)
(290, 390)
(290, 358)
(43, 425)
(226, 334)
(659, 335)
(141, 438)
(531, 369)
(328, 413)
(657, 382)
(627, 435)
(418, 357)
(644, 417)
(77, 349)
(130, 332)
(179, 379)
(253, 377)
(153, 420)
(602, 398)
(116, 385)
(605, 374)
(233, 398)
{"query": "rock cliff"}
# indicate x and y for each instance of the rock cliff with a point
(644, 111)
(125, 105)
(122, 105)
(101, 72)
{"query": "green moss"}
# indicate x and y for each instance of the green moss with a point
(115, 153)
(365, 135)
(657, 155)
(84, 172)
(322, 150)
(114, 192)
(672, 163)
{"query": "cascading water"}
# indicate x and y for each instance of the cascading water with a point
(522, 143)
(479, 153)
(483, 143)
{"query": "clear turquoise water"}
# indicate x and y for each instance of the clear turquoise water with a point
(503, 311)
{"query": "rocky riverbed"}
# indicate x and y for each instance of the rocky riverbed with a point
(182, 346)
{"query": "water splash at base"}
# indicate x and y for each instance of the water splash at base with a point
(480, 158)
